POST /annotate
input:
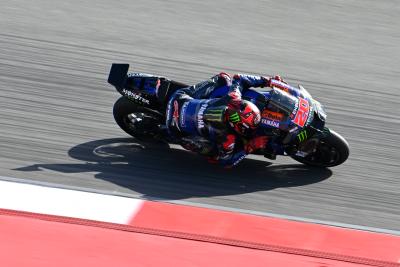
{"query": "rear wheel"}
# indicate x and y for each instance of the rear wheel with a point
(137, 121)
(331, 150)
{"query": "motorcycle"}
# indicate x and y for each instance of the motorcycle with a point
(290, 118)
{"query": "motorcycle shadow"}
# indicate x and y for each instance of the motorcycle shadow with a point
(158, 170)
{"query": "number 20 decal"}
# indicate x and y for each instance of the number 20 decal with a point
(302, 112)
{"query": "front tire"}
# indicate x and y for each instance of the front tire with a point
(136, 120)
(332, 150)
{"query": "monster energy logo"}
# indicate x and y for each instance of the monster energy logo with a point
(213, 115)
(234, 117)
(302, 136)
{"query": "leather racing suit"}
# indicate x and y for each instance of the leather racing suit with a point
(199, 123)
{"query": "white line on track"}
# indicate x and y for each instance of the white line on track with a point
(134, 202)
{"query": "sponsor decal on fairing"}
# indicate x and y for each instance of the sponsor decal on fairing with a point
(134, 96)
(139, 74)
(300, 118)
(272, 115)
(302, 136)
(270, 118)
(271, 123)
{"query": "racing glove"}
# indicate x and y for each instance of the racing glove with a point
(270, 82)
(256, 143)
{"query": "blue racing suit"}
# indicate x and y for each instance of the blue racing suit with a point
(199, 123)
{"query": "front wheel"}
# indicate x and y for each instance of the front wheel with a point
(332, 150)
(137, 121)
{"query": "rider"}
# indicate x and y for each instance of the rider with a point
(223, 128)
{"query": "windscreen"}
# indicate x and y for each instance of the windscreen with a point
(297, 111)
(282, 102)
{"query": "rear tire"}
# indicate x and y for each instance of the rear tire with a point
(137, 121)
(332, 150)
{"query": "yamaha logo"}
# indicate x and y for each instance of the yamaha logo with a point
(200, 115)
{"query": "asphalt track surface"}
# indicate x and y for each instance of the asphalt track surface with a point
(56, 121)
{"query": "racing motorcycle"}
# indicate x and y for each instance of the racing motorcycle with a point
(291, 119)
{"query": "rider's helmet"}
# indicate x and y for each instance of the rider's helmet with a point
(243, 116)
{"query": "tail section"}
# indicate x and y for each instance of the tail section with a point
(118, 75)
